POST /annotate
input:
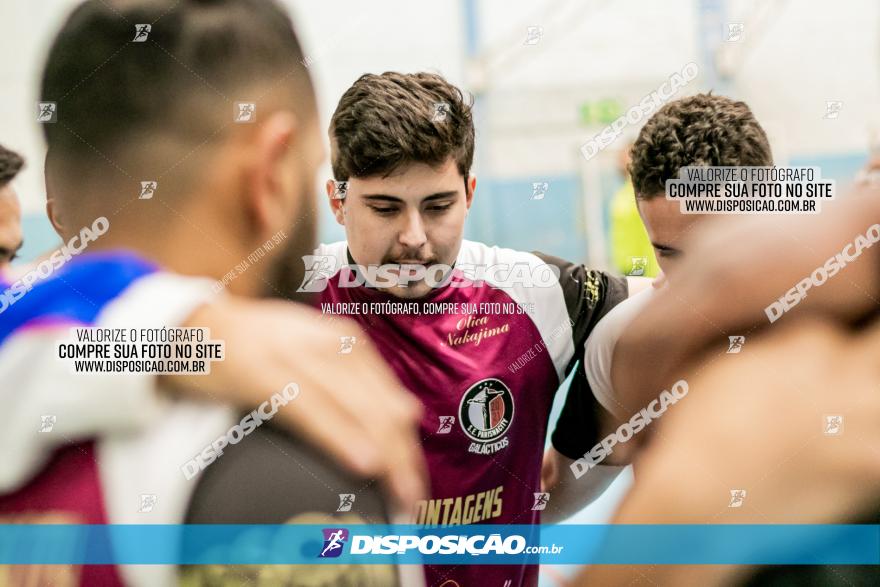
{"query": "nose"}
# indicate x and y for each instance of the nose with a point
(413, 236)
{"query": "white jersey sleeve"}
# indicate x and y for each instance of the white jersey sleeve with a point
(600, 348)
(84, 405)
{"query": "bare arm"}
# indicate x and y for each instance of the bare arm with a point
(351, 406)
(754, 422)
(567, 494)
(269, 344)
(743, 266)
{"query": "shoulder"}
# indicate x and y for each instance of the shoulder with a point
(599, 349)
(337, 251)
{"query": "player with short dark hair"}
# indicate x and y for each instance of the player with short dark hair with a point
(402, 152)
(714, 130)
(699, 130)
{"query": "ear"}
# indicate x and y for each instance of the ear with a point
(471, 185)
(337, 205)
(53, 210)
(273, 176)
(55, 216)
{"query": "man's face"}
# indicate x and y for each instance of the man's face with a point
(414, 216)
(667, 228)
(10, 226)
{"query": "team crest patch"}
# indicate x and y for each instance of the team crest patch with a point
(485, 414)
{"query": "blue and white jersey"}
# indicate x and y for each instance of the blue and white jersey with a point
(145, 437)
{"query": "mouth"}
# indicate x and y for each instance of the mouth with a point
(411, 262)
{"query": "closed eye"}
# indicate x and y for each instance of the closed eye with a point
(384, 210)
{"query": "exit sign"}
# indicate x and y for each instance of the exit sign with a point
(600, 112)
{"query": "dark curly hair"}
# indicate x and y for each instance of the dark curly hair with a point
(10, 164)
(385, 121)
(701, 130)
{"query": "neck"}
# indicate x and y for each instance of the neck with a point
(184, 249)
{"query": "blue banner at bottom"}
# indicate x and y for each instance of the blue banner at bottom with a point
(409, 544)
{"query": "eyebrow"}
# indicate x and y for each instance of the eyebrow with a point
(396, 200)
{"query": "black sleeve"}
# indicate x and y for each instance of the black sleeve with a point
(577, 429)
(271, 478)
(589, 295)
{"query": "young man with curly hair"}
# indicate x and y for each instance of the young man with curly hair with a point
(700, 130)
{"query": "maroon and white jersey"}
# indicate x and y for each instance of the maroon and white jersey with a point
(485, 358)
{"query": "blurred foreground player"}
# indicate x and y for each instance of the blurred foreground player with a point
(762, 272)
(228, 187)
(756, 422)
(758, 419)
